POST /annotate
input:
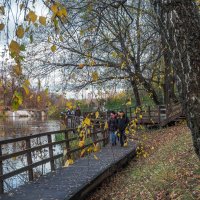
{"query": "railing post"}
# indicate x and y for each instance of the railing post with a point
(1, 173)
(29, 159)
(67, 144)
(51, 153)
(94, 136)
(159, 118)
(149, 111)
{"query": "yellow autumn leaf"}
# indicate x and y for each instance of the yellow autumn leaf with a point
(96, 158)
(92, 63)
(2, 26)
(69, 162)
(128, 103)
(69, 105)
(106, 126)
(17, 70)
(26, 89)
(87, 121)
(81, 143)
(96, 147)
(64, 12)
(97, 114)
(114, 54)
(95, 76)
(140, 116)
(53, 48)
(81, 65)
(31, 96)
(125, 144)
(32, 16)
(123, 65)
(82, 153)
(42, 20)
(14, 47)
(20, 32)
(54, 8)
(59, 13)
(38, 98)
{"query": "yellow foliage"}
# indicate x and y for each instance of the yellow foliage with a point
(53, 48)
(69, 162)
(96, 147)
(106, 126)
(92, 63)
(38, 98)
(87, 121)
(95, 76)
(14, 47)
(97, 114)
(123, 65)
(96, 158)
(140, 116)
(54, 8)
(81, 65)
(42, 20)
(82, 153)
(125, 144)
(64, 12)
(17, 69)
(2, 26)
(69, 105)
(32, 16)
(81, 143)
(20, 32)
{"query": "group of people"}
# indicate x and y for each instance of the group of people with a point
(76, 112)
(117, 124)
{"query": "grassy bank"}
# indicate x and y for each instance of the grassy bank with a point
(171, 171)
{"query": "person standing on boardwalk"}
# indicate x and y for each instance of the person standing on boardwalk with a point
(112, 127)
(122, 123)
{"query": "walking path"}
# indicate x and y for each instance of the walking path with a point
(77, 180)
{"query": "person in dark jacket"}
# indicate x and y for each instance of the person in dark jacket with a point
(122, 123)
(112, 127)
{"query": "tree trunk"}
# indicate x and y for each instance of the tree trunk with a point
(136, 93)
(181, 20)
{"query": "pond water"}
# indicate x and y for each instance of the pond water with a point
(18, 127)
(12, 127)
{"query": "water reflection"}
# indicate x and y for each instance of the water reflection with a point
(12, 127)
(17, 127)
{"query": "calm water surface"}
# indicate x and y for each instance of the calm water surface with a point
(16, 127)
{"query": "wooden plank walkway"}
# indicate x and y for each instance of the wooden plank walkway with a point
(77, 180)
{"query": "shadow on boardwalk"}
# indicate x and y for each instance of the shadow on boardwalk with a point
(77, 180)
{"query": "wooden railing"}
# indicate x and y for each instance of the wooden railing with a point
(68, 139)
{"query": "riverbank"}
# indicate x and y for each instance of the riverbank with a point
(171, 171)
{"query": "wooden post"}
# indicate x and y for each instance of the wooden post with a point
(67, 144)
(29, 159)
(94, 135)
(1, 173)
(51, 153)
(159, 119)
(149, 111)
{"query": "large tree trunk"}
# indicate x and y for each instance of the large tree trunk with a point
(136, 93)
(180, 19)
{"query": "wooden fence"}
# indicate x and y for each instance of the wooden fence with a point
(98, 134)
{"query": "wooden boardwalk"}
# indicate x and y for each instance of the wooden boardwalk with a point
(77, 180)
